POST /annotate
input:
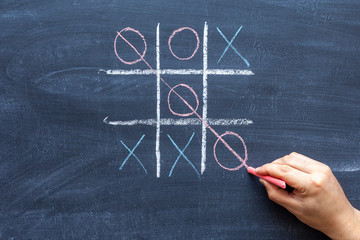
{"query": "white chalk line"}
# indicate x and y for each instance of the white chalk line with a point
(181, 122)
(178, 71)
(158, 120)
(205, 104)
(345, 168)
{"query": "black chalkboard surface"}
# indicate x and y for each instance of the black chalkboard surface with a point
(111, 111)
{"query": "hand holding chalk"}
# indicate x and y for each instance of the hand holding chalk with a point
(317, 200)
(278, 182)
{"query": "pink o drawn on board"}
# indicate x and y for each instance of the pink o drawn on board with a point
(196, 98)
(142, 37)
(197, 42)
(243, 161)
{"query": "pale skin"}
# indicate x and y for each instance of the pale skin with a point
(317, 200)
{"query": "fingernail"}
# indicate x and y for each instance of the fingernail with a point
(261, 181)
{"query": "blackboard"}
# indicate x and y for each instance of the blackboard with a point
(90, 149)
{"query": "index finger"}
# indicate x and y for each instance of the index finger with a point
(295, 178)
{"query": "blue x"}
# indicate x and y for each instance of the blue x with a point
(131, 153)
(230, 45)
(182, 154)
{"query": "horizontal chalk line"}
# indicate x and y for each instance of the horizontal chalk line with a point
(180, 122)
(345, 169)
(178, 72)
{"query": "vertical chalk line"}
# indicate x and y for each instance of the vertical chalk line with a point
(205, 85)
(187, 104)
(157, 146)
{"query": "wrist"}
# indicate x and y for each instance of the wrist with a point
(349, 227)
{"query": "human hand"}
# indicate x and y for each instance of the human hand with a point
(317, 200)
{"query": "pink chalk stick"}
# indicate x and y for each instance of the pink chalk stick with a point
(278, 182)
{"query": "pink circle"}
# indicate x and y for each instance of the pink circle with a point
(197, 42)
(191, 108)
(242, 160)
(142, 37)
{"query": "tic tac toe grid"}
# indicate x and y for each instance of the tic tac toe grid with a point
(205, 72)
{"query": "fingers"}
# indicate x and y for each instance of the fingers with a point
(279, 195)
(293, 177)
(299, 162)
(318, 200)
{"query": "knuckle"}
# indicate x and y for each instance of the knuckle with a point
(327, 170)
(277, 161)
(287, 159)
(302, 189)
(319, 180)
(293, 154)
(284, 169)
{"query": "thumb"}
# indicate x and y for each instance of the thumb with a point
(279, 195)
